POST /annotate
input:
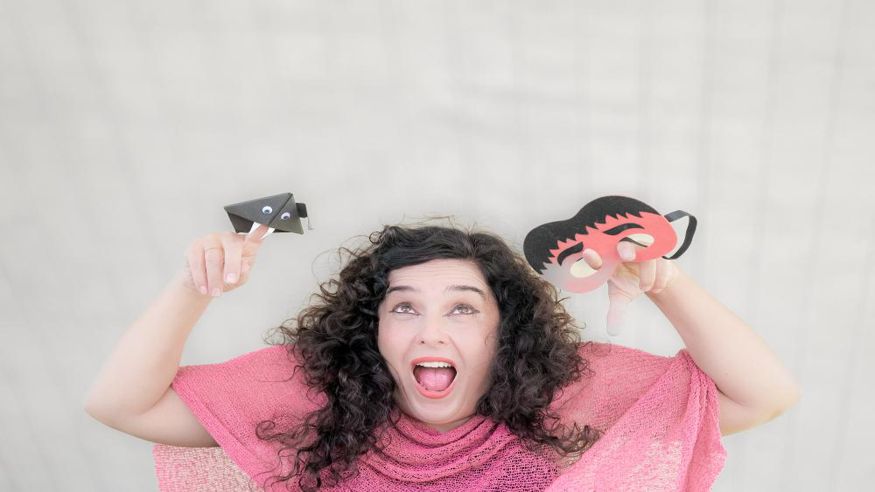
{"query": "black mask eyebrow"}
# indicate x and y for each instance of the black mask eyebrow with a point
(568, 252)
(622, 227)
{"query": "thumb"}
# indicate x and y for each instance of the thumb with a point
(618, 304)
(615, 320)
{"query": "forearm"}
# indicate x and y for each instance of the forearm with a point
(726, 348)
(145, 360)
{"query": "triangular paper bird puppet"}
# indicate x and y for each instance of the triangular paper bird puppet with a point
(279, 212)
(555, 249)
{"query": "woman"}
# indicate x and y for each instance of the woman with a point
(438, 360)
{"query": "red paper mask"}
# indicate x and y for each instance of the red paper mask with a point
(555, 249)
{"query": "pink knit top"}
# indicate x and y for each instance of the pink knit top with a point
(659, 416)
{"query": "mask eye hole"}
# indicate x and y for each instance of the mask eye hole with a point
(641, 239)
(581, 269)
(267, 210)
(285, 216)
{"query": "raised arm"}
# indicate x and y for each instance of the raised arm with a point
(755, 386)
(132, 391)
(137, 374)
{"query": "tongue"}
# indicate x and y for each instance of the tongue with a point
(434, 378)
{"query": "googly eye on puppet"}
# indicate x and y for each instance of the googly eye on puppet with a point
(555, 249)
(279, 212)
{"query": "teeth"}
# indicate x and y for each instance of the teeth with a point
(434, 364)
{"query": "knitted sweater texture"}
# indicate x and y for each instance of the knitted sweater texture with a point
(659, 417)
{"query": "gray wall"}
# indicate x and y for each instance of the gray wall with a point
(126, 126)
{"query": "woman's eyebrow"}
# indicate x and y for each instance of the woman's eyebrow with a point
(401, 288)
(466, 287)
(449, 288)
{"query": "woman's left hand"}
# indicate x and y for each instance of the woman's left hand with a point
(630, 279)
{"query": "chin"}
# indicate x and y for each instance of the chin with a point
(445, 424)
(434, 412)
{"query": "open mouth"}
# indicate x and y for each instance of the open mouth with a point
(434, 377)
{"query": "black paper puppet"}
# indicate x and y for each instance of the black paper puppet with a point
(279, 212)
(555, 249)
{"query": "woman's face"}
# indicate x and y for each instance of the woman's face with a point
(437, 313)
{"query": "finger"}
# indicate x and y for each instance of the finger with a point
(233, 258)
(257, 234)
(253, 241)
(663, 274)
(214, 259)
(592, 258)
(626, 250)
(252, 244)
(195, 258)
(646, 275)
(617, 312)
(614, 328)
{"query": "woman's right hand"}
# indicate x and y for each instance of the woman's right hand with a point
(221, 262)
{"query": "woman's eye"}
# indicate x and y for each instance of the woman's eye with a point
(403, 308)
(465, 309)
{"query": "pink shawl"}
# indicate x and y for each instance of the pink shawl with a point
(659, 416)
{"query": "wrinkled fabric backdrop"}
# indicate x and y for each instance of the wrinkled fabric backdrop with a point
(126, 126)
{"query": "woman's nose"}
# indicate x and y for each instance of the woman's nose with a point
(432, 332)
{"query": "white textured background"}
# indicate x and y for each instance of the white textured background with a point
(125, 126)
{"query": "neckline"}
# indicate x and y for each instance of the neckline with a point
(417, 428)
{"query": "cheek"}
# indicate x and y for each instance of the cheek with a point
(390, 342)
(481, 348)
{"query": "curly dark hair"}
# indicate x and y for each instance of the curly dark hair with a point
(335, 341)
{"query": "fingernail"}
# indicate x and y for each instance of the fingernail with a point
(203, 290)
(231, 278)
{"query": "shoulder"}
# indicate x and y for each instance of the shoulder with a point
(269, 377)
(265, 364)
(618, 360)
(274, 360)
(614, 378)
(234, 398)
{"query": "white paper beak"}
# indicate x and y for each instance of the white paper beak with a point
(255, 226)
